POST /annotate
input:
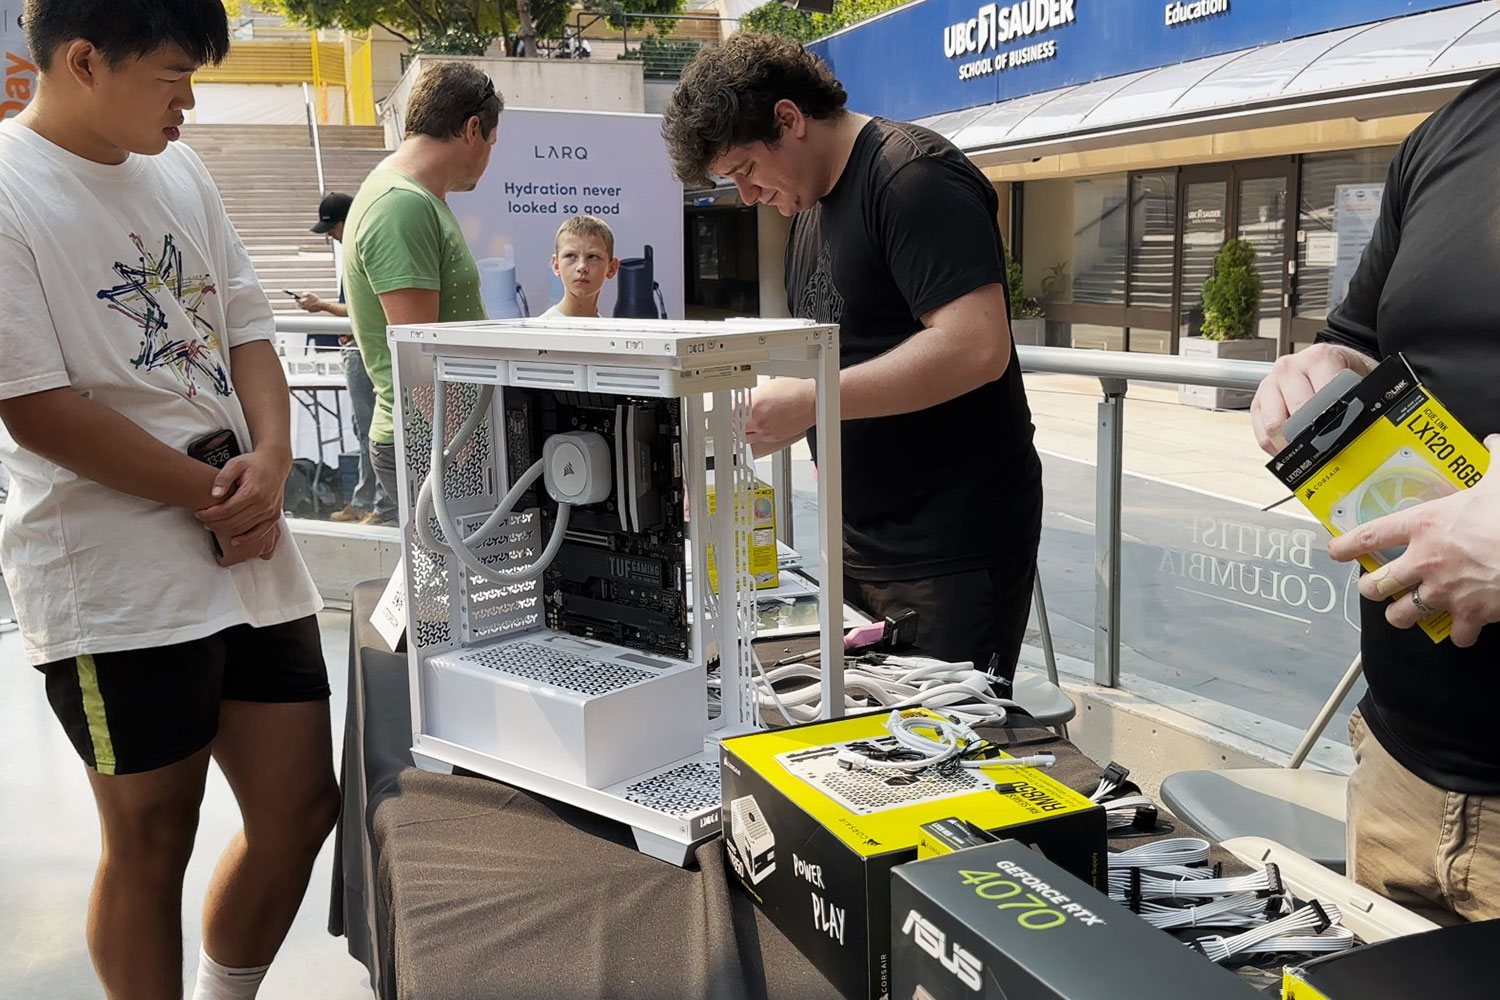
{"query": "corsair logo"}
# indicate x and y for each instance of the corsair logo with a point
(930, 939)
(567, 468)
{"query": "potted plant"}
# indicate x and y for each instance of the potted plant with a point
(1027, 327)
(1057, 286)
(1231, 325)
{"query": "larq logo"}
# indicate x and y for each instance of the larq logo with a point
(961, 963)
(996, 24)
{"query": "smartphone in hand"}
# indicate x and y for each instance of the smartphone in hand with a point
(215, 449)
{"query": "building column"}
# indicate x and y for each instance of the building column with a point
(771, 230)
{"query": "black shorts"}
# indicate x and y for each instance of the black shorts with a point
(142, 709)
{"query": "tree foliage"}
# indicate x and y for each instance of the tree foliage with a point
(449, 27)
(801, 26)
(1231, 295)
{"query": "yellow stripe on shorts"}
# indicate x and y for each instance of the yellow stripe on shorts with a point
(93, 710)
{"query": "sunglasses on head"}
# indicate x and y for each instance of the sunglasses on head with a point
(484, 99)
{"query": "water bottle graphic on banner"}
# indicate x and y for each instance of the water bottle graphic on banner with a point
(502, 295)
(639, 295)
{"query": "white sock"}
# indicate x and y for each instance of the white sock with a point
(218, 982)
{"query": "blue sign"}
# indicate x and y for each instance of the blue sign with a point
(944, 55)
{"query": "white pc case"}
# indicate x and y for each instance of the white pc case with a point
(544, 683)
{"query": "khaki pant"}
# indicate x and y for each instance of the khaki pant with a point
(1436, 853)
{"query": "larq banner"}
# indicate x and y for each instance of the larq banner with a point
(20, 71)
(551, 165)
(956, 54)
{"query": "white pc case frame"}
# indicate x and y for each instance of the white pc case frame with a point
(695, 362)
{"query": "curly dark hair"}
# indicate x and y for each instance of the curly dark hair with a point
(728, 97)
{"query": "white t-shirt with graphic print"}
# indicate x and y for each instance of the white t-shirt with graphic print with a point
(128, 284)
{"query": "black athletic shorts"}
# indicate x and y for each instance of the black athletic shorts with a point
(142, 709)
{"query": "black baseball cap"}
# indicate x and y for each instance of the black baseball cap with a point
(333, 209)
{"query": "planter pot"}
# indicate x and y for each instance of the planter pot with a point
(1029, 332)
(1253, 349)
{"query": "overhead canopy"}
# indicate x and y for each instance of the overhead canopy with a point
(1402, 65)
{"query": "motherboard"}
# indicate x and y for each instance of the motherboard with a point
(620, 576)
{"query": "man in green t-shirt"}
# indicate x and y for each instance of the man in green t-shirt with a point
(405, 259)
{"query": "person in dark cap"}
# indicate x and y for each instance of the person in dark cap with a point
(332, 211)
(370, 503)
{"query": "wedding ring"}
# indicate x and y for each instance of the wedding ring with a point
(1421, 605)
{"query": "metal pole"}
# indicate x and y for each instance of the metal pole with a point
(781, 484)
(1107, 533)
(830, 543)
(1325, 714)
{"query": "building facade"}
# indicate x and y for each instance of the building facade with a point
(1130, 139)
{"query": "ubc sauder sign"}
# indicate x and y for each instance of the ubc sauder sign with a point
(1000, 24)
(937, 56)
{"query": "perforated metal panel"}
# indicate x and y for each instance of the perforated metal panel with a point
(681, 791)
(469, 472)
(427, 585)
(536, 662)
(864, 792)
(497, 610)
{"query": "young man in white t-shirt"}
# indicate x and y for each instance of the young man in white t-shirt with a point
(584, 259)
(133, 329)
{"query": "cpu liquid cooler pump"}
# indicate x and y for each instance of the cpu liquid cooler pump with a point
(639, 296)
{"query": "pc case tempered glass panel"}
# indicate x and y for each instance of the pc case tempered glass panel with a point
(863, 791)
(548, 666)
(681, 791)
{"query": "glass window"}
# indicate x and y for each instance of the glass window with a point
(1153, 200)
(1325, 177)
(1099, 250)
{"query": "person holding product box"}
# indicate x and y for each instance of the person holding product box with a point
(1424, 800)
(584, 259)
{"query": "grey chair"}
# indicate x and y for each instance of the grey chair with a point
(1303, 810)
(1041, 696)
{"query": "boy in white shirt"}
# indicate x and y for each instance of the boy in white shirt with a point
(584, 260)
(158, 596)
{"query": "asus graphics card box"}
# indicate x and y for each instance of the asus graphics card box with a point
(1382, 445)
(1002, 922)
(1454, 963)
(812, 842)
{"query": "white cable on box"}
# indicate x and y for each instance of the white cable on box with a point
(1313, 928)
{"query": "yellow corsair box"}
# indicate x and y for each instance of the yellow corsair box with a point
(813, 843)
(763, 561)
(1383, 445)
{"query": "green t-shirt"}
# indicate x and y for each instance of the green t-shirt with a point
(400, 235)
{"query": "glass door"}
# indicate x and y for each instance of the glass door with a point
(1261, 219)
(1204, 222)
(1251, 201)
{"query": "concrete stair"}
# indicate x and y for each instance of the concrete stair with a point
(268, 179)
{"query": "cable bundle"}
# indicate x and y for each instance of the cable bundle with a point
(1124, 805)
(957, 689)
(1311, 929)
(1175, 851)
(923, 742)
(1246, 909)
(1137, 886)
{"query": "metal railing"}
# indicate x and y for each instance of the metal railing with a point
(317, 145)
(1115, 371)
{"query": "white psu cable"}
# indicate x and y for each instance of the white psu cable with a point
(1174, 851)
(1311, 929)
(1243, 910)
(1135, 884)
(925, 742)
(956, 689)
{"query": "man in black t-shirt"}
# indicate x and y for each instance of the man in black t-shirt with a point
(1424, 800)
(895, 238)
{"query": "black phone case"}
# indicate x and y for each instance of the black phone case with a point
(215, 449)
